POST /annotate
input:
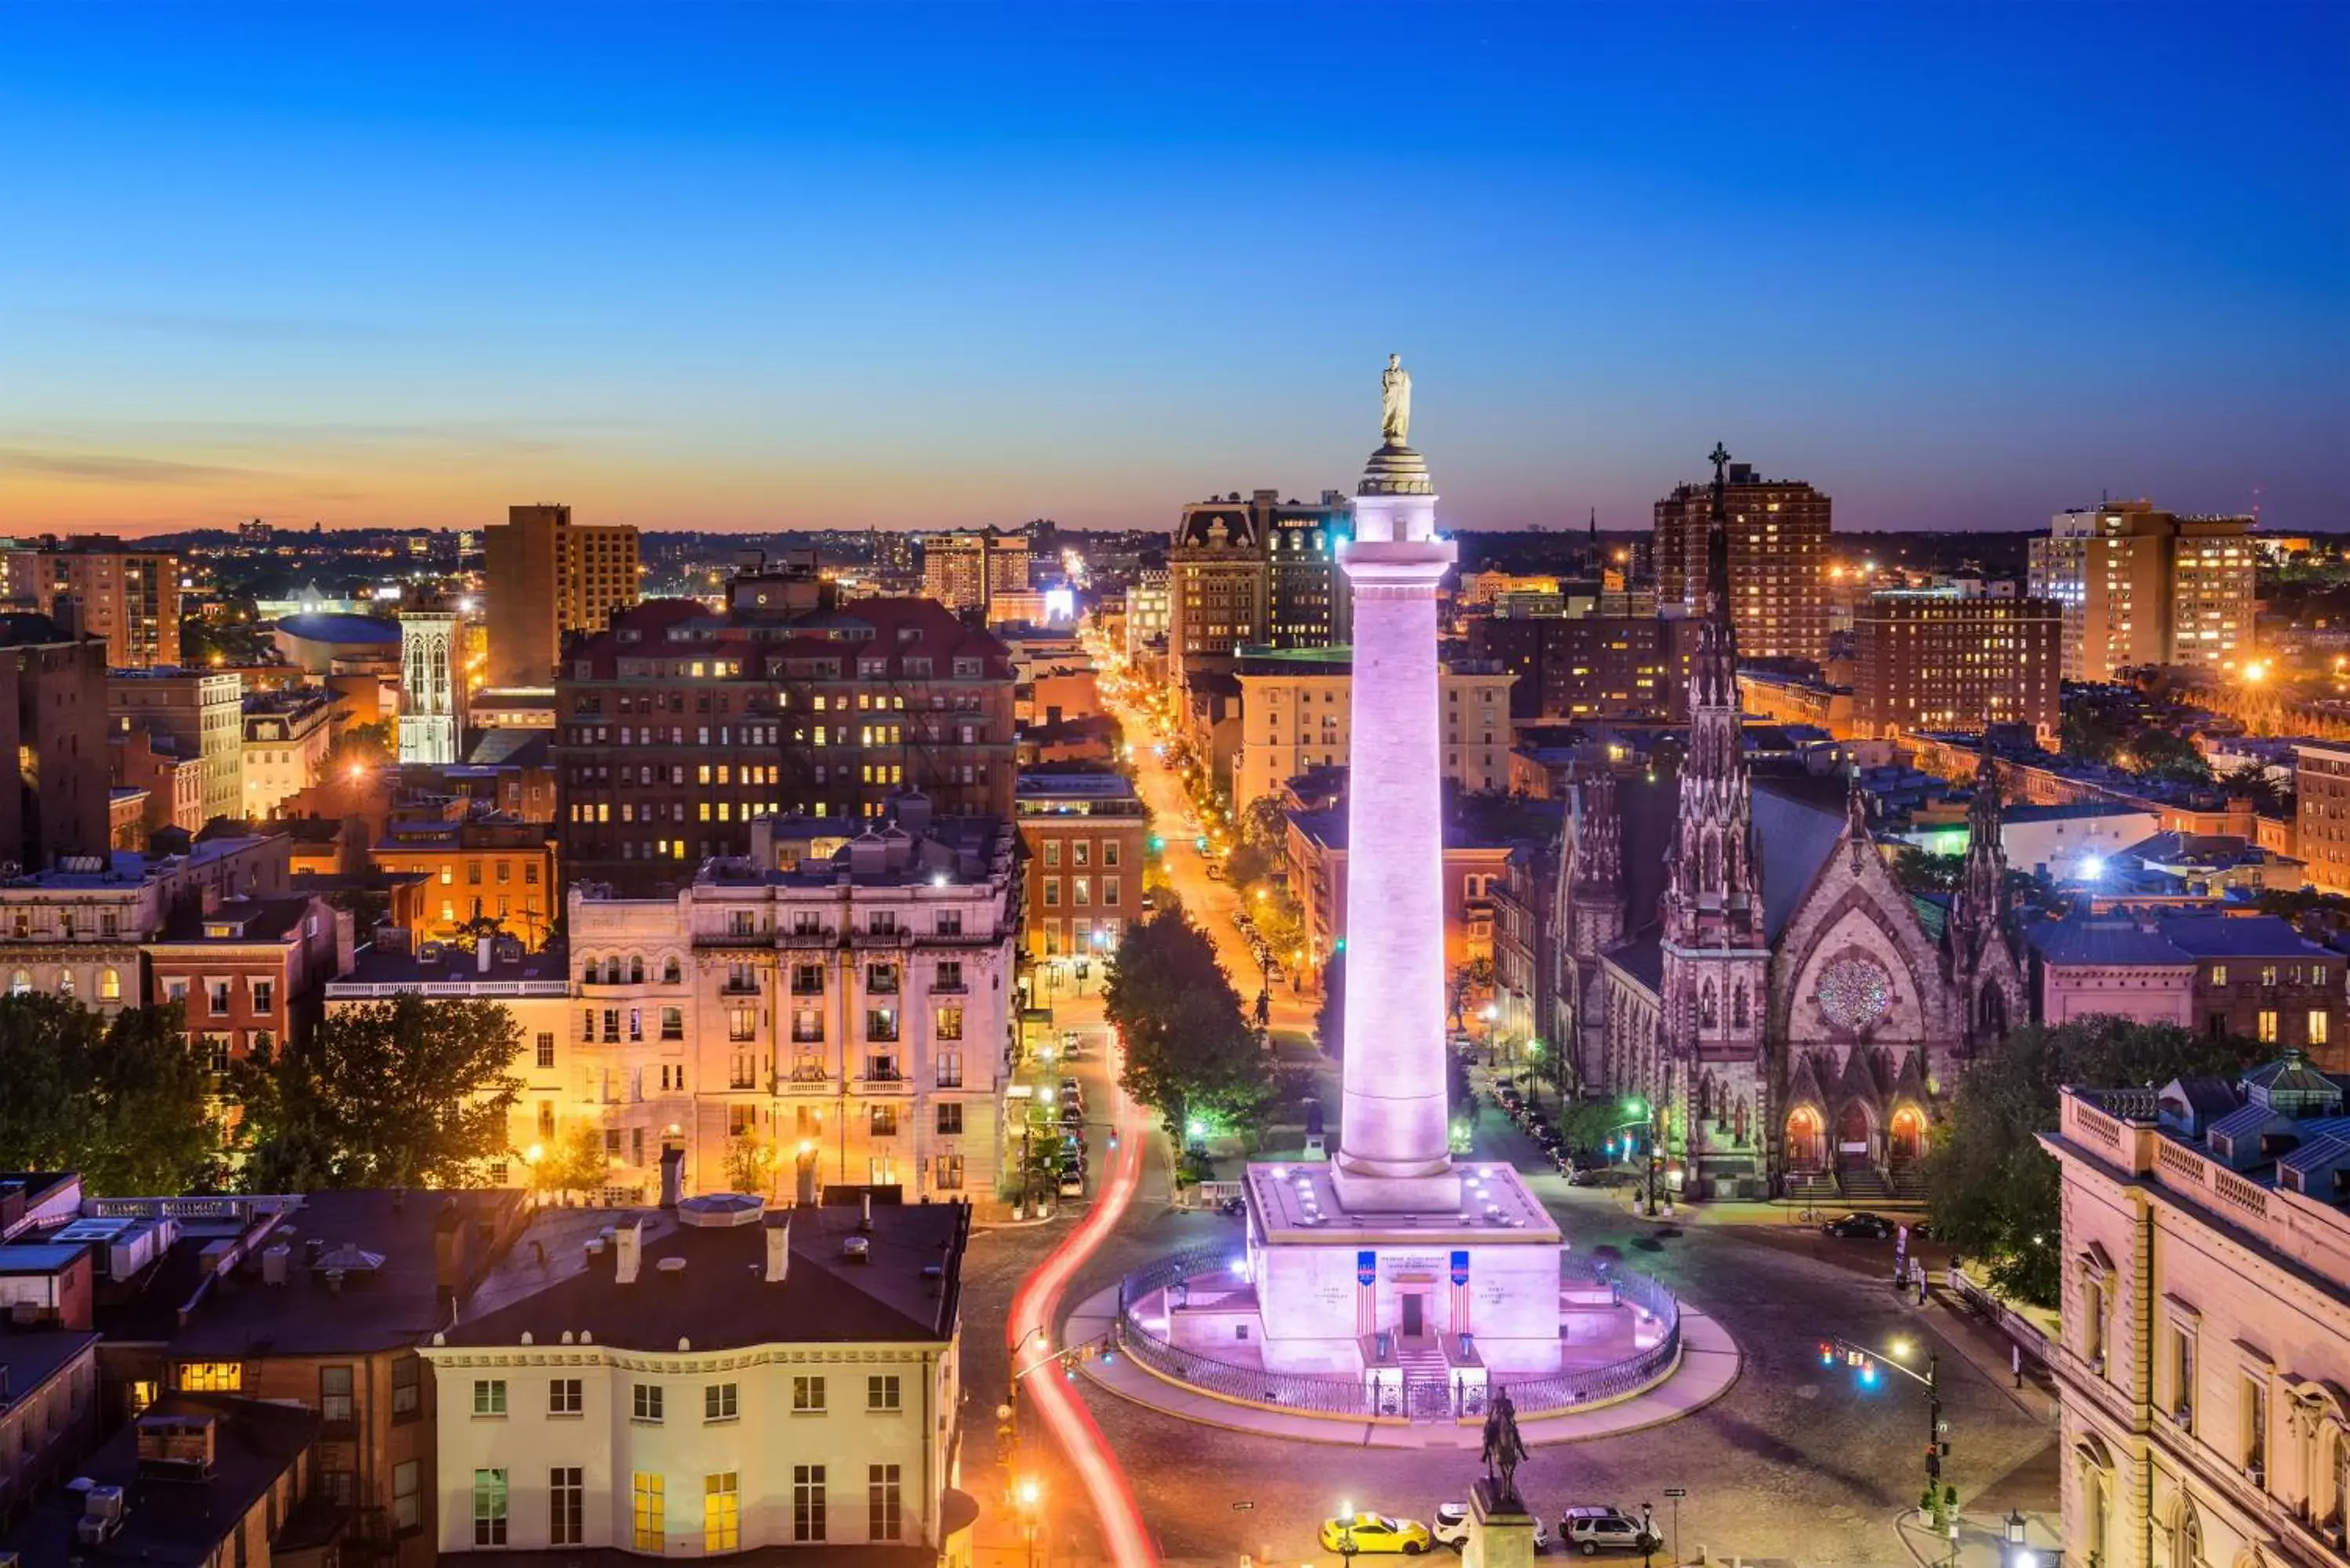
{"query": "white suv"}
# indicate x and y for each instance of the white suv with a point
(1451, 1527)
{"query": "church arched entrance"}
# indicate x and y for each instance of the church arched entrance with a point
(1908, 1142)
(1853, 1147)
(1806, 1149)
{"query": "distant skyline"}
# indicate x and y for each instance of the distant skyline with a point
(777, 266)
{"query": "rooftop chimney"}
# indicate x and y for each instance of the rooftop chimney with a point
(672, 1175)
(865, 1213)
(482, 954)
(629, 1239)
(779, 1248)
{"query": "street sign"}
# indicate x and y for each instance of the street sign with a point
(1243, 1507)
(1677, 1492)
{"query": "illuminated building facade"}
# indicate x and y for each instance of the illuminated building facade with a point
(2139, 587)
(1778, 539)
(1931, 662)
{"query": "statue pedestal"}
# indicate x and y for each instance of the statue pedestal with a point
(1501, 1530)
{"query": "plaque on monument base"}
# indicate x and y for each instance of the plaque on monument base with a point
(1500, 1530)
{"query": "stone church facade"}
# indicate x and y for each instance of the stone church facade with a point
(1791, 1014)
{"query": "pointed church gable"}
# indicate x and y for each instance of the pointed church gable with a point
(1911, 1085)
(1853, 930)
(1803, 1086)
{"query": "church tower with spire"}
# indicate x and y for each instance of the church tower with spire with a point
(1983, 968)
(1715, 956)
(1596, 874)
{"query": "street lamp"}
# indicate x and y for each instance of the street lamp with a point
(1346, 1531)
(1029, 1494)
(2018, 1554)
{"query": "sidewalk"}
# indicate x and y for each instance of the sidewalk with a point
(1709, 1364)
(1980, 1544)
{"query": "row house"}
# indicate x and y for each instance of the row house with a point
(2250, 976)
(81, 929)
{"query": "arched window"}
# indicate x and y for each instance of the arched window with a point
(21, 983)
(636, 969)
(1991, 1012)
(1738, 1006)
(1705, 1006)
(65, 983)
(2190, 1537)
(1711, 863)
(110, 985)
(671, 973)
(2341, 1510)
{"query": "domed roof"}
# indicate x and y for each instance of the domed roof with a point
(330, 626)
(1396, 470)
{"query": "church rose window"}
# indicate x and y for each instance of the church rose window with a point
(1855, 993)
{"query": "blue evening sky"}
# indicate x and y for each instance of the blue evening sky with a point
(705, 265)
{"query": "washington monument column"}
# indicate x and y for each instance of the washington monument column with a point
(1394, 1148)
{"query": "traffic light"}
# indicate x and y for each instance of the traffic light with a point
(1339, 946)
(1157, 843)
(1827, 1353)
(1200, 844)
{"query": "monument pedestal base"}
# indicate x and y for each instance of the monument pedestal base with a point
(1501, 1530)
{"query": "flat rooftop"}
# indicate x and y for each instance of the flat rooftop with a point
(1299, 1202)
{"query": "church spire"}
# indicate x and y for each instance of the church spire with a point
(1981, 899)
(1712, 889)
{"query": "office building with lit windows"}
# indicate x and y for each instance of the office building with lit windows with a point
(709, 1378)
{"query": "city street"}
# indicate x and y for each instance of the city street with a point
(1799, 1462)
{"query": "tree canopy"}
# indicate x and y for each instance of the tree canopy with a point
(406, 1093)
(125, 1102)
(1189, 1051)
(1330, 1019)
(1993, 1191)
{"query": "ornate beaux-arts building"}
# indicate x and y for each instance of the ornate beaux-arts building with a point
(1792, 1014)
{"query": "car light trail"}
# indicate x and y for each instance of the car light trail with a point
(1036, 1305)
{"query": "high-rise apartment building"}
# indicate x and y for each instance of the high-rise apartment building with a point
(2141, 586)
(964, 570)
(129, 599)
(676, 728)
(200, 713)
(1934, 661)
(53, 731)
(1296, 714)
(548, 576)
(1778, 536)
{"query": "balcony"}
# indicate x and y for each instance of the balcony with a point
(957, 987)
(747, 986)
(803, 1080)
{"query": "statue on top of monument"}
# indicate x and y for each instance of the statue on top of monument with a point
(1395, 403)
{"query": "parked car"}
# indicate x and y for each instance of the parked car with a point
(1859, 1226)
(1591, 1530)
(1451, 1527)
(1375, 1533)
